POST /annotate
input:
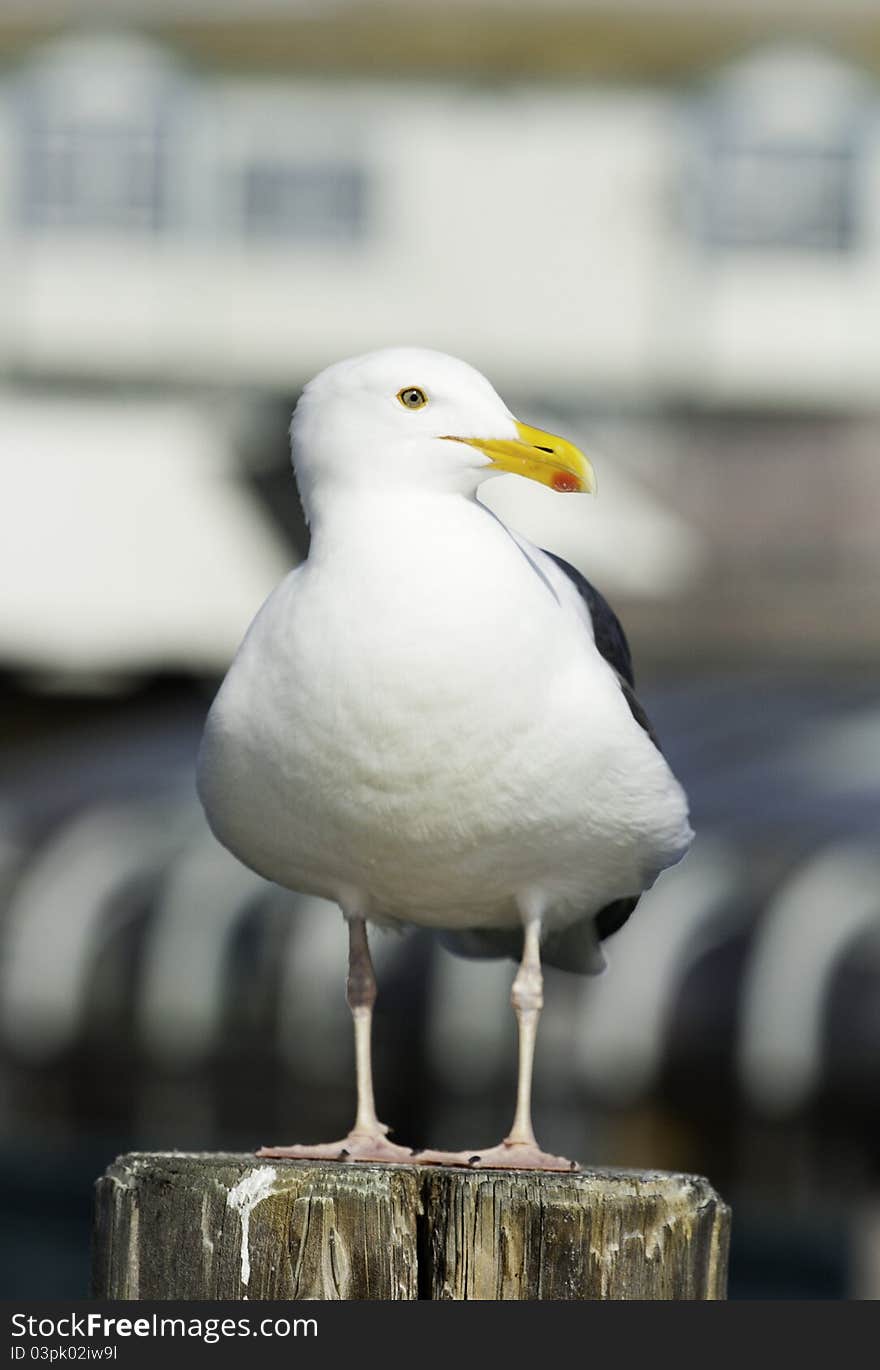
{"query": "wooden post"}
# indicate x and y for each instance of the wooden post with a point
(173, 1225)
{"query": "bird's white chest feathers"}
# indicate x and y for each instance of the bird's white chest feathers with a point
(418, 722)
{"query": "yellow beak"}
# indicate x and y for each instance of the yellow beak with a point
(539, 456)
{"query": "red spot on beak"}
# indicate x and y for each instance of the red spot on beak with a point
(563, 481)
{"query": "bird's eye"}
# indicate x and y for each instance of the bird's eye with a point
(411, 397)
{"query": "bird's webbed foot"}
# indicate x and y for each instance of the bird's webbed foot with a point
(506, 1156)
(357, 1146)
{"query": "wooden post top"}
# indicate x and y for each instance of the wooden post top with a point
(224, 1226)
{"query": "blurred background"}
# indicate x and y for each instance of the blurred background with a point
(655, 224)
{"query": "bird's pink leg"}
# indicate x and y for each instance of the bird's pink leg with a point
(519, 1150)
(367, 1140)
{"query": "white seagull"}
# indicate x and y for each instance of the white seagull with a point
(432, 721)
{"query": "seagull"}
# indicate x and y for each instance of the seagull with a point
(431, 721)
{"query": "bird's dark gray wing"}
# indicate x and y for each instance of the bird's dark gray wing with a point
(574, 948)
(607, 629)
(611, 641)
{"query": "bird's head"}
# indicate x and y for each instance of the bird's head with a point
(407, 418)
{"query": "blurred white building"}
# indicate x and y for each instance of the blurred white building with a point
(160, 223)
(650, 261)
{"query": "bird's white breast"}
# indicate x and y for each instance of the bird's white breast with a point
(419, 722)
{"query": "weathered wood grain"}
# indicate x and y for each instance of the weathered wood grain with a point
(206, 1226)
(593, 1235)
